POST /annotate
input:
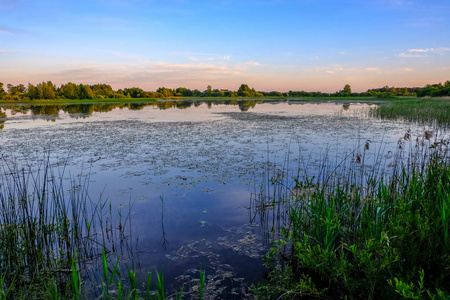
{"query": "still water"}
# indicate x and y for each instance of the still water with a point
(185, 171)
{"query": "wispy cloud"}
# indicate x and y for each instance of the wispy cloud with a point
(166, 66)
(423, 52)
(393, 4)
(333, 69)
(151, 75)
(5, 30)
(202, 57)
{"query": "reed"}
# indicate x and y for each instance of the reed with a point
(50, 229)
(372, 237)
(42, 229)
(52, 237)
(415, 109)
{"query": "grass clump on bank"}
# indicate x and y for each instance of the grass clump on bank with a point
(345, 243)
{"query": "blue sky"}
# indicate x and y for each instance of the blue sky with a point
(312, 45)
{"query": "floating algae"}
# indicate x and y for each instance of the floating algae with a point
(221, 277)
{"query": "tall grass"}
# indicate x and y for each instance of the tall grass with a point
(42, 229)
(416, 109)
(48, 228)
(377, 238)
(54, 239)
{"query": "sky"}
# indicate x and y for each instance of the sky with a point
(281, 45)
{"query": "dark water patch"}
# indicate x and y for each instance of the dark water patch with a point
(250, 116)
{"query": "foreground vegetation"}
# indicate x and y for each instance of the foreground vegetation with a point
(55, 241)
(358, 235)
(368, 239)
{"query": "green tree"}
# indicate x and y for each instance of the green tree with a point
(1, 87)
(16, 89)
(245, 91)
(208, 91)
(102, 91)
(185, 92)
(46, 90)
(70, 90)
(85, 92)
(165, 92)
(347, 89)
(32, 92)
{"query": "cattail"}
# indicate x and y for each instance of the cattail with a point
(407, 136)
(428, 134)
(367, 145)
(358, 158)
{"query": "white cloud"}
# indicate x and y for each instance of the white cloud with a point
(205, 57)
(419, 50)
(174, 67)
(409, 55)
(252, 63)
(424, 52)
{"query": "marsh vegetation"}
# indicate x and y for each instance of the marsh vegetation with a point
(363, 234)
(169, 190)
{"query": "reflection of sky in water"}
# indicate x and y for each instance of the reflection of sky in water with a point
(200, 160)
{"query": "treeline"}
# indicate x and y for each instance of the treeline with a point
(48, 90)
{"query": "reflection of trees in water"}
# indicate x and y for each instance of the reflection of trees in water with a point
(136, 106)
(2, 119)
(174, 104)
(247, 104)
(184, 104)
(85, 110)
(244, 105)
(20, 110)
(45, 110)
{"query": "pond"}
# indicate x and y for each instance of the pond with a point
(186, 171)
